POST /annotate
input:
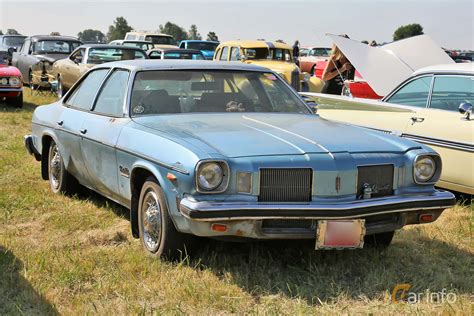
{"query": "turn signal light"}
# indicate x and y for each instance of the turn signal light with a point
(219, 227)
(426, 218)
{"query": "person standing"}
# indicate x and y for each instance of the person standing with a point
(338, 69)
(296, 52)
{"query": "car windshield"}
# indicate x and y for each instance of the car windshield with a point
(183, 55)
(202, 45)
(159, 39)
(105, 55)
(13, 41)
(197, 91)
(141, 45)
(55, 46)
(320, 51)
(268, 54)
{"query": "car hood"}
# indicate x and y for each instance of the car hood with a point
(51, 57)
(385, 67)
(265, 134)
(277, 66)
(7, 71)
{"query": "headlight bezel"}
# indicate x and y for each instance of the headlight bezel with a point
(14, 78)
(437, 168)
(222, 187)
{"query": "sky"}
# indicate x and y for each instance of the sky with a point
(449, 22)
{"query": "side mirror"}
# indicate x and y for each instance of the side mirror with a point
(466, 109)
(11, 50)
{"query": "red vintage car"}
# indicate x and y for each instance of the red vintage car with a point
(358, 88)
(11, 84)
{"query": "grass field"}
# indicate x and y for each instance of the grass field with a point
(76, 255)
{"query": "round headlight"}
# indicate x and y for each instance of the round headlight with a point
(4, 81)
(14, 81)
(425, 168)
(210, 176)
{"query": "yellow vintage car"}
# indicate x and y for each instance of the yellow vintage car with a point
(272, 55)
(423, 108)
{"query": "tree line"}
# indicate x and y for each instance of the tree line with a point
(120, 27)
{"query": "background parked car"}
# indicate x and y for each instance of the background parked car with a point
(42, 48)
(10, 44)
(430, 101)
(311, 56)
(11, 85)
(191, 153)
(206, 47)
(192, 54)
(68, 70)
(272, 55)
(159, 40)
(464, 57)
(146, 46)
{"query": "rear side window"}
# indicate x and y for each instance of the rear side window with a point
(450, 91)
(414, 93)
(225, 52)
(112, 96)
(84, 95)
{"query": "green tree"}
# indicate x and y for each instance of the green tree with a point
(174, 30)
(12, 32)
(212, 36)
(118, 29)
(408, 30)
(193, 33)
(91, 35)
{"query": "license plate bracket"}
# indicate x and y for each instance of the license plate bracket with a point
(340, 234)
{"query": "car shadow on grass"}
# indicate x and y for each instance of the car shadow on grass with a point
(294, 269)
(17, 296)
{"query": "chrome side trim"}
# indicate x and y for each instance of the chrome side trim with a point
(441, 142)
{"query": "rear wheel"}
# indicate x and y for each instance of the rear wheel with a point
(380, 240)
(16, 101)
(158, 235)
(60, 180)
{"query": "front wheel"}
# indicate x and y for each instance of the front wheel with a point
(158, 235)
(60, 180)
(380, 240)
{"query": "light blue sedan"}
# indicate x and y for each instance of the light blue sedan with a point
(230, 150)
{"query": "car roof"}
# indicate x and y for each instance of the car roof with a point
(134, 41)
(464, 68)
(256, 44)
(13, 35)
(108, 46)
(167, 64)
(53, 37)
(175, 50)
(149, 33)
(199, 41)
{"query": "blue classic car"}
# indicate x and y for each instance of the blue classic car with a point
(229, 150)
(206, 47)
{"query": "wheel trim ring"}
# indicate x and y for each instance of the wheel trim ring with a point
(151, 221)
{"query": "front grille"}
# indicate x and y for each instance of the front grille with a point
(378, 178)
(295, 80)
(285, 185)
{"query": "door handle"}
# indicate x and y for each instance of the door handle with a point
(83, 131)
(60, 123)
(417, 120)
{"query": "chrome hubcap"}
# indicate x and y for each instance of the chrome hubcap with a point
(55, 167)
(151, 221)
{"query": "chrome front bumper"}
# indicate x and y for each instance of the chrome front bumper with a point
(210, 211)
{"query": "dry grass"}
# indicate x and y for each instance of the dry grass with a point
(76, 255)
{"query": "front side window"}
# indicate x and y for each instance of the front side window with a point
(112, 96)
(105, 55)
(166, 92)
(53, 46)
(450, 91)
(235, 54)
(83, 96)
(414, 93)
